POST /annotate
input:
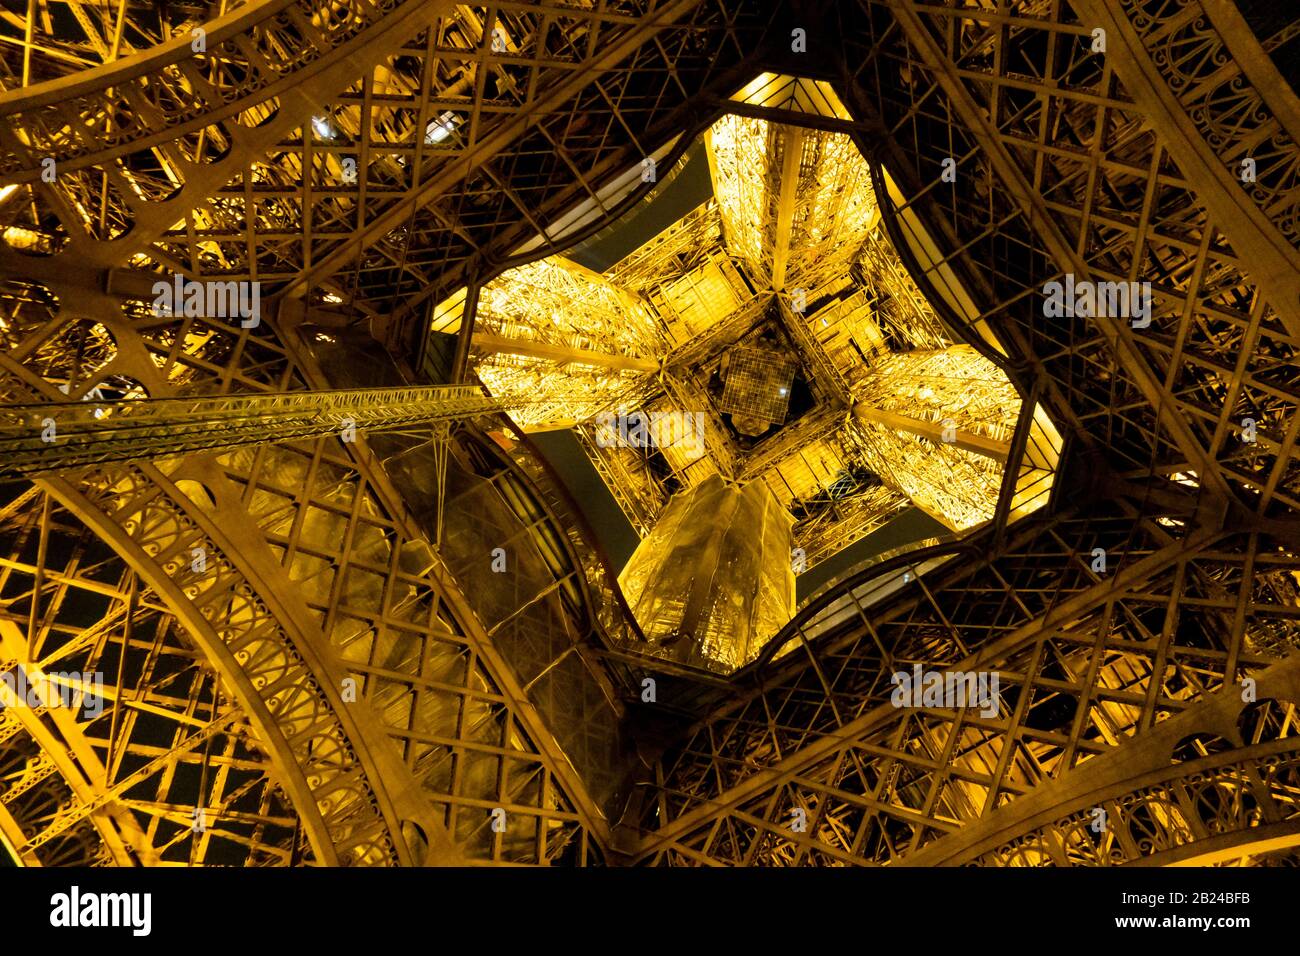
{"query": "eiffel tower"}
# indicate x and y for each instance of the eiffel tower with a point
(554, 433)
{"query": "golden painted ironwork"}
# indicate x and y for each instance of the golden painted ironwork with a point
(713, 581)
(44, 438)
(785, 271)
(305, 651)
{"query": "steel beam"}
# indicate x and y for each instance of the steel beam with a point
(39, 439)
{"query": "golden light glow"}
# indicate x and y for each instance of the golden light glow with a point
(789, 254)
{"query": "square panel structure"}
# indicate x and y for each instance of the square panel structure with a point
(757, 391)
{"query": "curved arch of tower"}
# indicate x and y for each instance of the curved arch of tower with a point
(651, 432)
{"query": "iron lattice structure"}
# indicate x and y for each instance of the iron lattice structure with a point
(784, 272)
(303, 640)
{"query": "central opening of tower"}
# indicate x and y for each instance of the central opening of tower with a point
(759, 385)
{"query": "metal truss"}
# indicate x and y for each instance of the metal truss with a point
(313, 596)
(790, 206)
(1089, 664)
(1075, 183)
(1214, 785)
(37, 439)
(1074, 168)
(471, 133)
(115, 782)
(229, 187)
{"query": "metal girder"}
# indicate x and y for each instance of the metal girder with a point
(792, 143)
(561, 354)
(497, 138)
(863, 712)
(807, 729)
(1122, 203)
(155, 689)
(1225, 744)
(1248, 211)
(1117, 333)
(147, 515)
(935, 431)
(1114, 168)
(45, 438)
(289, 78)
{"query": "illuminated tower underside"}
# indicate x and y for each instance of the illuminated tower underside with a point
(713, 582)
(289, 633)
(785, 275)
